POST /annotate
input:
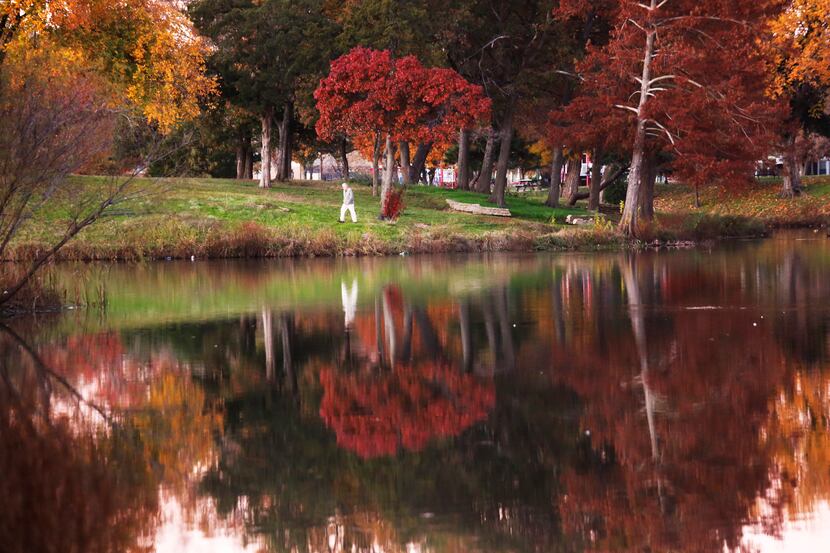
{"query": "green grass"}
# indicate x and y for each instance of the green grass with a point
(229, 218)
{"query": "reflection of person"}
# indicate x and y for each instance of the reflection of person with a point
(348, 204)
(349, 302)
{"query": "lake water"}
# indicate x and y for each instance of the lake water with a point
(660, 401)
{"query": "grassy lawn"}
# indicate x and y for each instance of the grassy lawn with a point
(228, 218)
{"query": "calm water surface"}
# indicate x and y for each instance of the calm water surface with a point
(611, 402)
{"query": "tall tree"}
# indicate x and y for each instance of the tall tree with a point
(800, 58)
(667, 67)
(263, 52)
(370, 92)
(505, 47)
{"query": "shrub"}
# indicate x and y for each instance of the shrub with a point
(615, 193)
(393, 204)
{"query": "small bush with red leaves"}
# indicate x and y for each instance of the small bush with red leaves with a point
(393, 205)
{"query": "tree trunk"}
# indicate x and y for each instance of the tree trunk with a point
(406, 177)
(596, 180)
(791, 184)
(265, 177)
(344, 159)
(249, 163)
(375, 165)
(284, 159)
(555, 178)
(419, 161)
(505, 137)
(572, 176)
(243, 147)
(389, 170)
(647, 178)
(630, 215)
(483, 183)
(464, 160)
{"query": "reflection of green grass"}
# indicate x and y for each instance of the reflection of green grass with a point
(162, 292)
(184, 217)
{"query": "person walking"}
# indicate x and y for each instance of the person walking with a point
(348, 203)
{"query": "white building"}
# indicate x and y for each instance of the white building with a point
(820, 167)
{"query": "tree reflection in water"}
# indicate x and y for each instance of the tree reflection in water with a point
(67, 485)
(606, 403)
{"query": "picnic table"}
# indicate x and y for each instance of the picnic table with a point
(525, 185)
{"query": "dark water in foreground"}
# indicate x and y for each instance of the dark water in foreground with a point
(652, 402)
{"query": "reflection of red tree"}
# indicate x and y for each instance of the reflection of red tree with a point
(689, 478)
(377, 414)
(84, 355)
(99, 364)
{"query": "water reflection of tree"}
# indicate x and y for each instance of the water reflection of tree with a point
(677, 460)
(66, 485)
(624, 413)
(405, 399)
(494, 480)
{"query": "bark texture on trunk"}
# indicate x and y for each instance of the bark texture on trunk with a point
(240, 162)
(243, 151)
(375, 165)
(284, 159)
(483, 183)
(344, 158)
(647, 178)
(419, 161)
(571, 191)
(389, 170)
(630, 215)
(403, 146)
(464, 159)
(265, 177)
(555, 178)
(596, 180)
(791, 183)
(249, 164)
(505, 137)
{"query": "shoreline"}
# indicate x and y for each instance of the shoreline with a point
(223, 219)
(326, 245)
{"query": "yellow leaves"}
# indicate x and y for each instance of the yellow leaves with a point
(148, 49)
(543, 151)
(800, 48)
(169, 80)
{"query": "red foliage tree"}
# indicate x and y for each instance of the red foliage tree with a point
(370, 92)
(686, 73)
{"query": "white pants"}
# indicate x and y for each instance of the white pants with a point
(350, 208)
